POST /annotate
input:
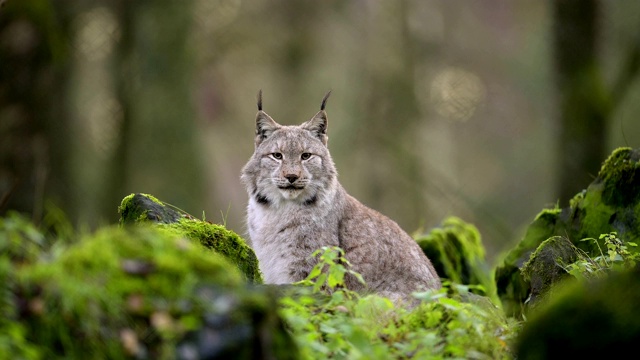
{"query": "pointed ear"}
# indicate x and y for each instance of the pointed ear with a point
(318, 126)
(265, 125)
(318, 123)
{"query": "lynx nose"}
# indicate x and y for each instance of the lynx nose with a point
(292, 178)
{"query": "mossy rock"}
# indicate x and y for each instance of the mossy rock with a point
(456, 251)
(544, 267)
(610, 203)
(144, 208)
(137, 292)
(599, 319)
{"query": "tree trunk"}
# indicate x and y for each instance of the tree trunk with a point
(34, 121)
(583, 101)
(157, 150)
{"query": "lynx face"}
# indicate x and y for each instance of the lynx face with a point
(290, 163)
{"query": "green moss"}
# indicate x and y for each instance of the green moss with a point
(127, 201)
(20, 240)
(21, 244)
(543, 227)
(620, 175)
(512, 288)
(610, 203)
(116, 280)
(558, 246)
(222, 241)
(144, 208)
(129, 292)
(573, 203)
(457, 254)
(544, 267)
(591, 217)
(126, 210)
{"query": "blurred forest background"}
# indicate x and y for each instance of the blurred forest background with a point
(486, 110)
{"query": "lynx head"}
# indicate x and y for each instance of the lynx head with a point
(290, 163)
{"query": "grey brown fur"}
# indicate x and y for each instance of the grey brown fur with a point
(296, 206)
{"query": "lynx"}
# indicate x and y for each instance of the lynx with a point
(296, 206)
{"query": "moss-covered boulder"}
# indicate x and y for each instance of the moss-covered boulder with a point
(610, 203)
(135, 292)
(545, 266)
(598, 319)
(136, 208)
(456, 251)
(144, 208)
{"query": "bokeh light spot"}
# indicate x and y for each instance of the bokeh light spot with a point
(456, 93)
(97, 33)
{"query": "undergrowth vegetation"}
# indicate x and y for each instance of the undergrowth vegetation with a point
(113, 287)
(329, 321)
(617, 257)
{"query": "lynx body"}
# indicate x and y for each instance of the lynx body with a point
(296, 206)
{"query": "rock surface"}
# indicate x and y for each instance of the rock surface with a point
(130, 292)
(456, 251)
(143, 208)
(611, 203)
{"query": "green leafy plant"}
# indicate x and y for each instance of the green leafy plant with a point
(617, 251)
(617, 257)
(330, 271)
(328, 320)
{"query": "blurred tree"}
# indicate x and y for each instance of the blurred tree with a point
(117, 184)
(297, 52)
(48, 146)
(389, 124)
(34, 112)
(156, 151)
(585, 102)
(582, 98)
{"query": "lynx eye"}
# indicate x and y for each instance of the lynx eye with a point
(305, 156)
(277, 156)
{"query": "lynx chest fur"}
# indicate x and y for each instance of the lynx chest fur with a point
(296, 206)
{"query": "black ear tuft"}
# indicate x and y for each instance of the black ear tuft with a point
(324, 100)
(260, 100)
